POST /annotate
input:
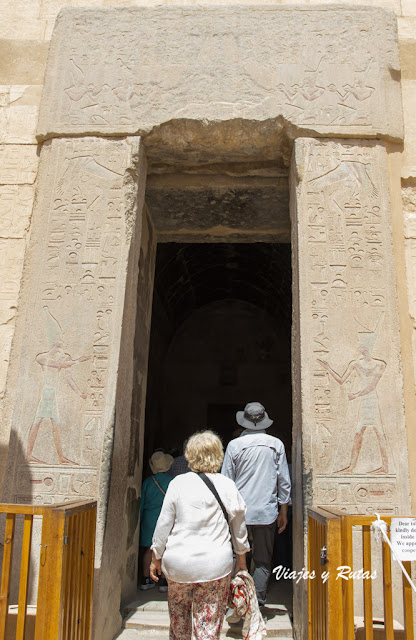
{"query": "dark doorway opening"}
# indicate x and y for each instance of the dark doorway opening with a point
(222, 416)
(220, 337)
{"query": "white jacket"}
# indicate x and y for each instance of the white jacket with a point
(192, 536)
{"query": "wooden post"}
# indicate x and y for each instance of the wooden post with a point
(6, 572)
(387, 592)
(367, 586)
(311, 536)
(92, 521)
(78, 571)
(347, 585)
(407, 603)
(333, 543)
(48, 620)
(24, 577)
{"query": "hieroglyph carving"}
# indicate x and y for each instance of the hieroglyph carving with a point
(19, 110)
(16, 201)
(18, 164)
(125, 70)
(74, 297)
(354, 436)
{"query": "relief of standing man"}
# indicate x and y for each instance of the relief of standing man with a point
(53, 362)
(368, 371)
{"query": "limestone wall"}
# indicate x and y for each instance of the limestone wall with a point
(25, 36)
(23, 52)
(24, 43)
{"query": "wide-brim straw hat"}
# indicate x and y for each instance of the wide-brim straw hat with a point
(160, 462)
(254, 417)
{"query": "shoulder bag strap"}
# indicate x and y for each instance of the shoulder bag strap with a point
(158, 485)
(212, 488)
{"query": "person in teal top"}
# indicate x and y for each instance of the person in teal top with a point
(153, 493)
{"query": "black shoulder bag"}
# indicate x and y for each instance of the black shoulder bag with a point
(212, 488)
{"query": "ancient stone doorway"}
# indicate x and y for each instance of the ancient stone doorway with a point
(220, 336)
(215, 115)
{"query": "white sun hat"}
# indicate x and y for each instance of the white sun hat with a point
(160, 462)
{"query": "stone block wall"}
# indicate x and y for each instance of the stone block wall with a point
(24, 43)
(24, 40)
(24, 46)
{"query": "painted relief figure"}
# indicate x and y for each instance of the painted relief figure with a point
(53, 363)
(369, 371)
(358, 173)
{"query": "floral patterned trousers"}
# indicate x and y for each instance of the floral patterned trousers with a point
(206, 602)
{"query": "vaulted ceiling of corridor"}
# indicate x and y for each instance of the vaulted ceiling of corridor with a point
(190, 276)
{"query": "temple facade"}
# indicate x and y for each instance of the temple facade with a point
(201, 206)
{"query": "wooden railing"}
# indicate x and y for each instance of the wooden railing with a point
(66, 568)
(331, 605)
(325, 596)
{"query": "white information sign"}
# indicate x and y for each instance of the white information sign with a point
(403, 537)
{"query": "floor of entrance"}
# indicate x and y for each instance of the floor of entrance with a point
(148, 616)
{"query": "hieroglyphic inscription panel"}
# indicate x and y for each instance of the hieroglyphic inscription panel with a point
(72, 313)
(127, 69)
(354, 440)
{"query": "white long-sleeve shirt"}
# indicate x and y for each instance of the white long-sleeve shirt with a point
(257, 464)
(192, 536)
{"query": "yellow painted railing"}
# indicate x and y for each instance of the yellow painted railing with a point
(66, 569)
(331, 603)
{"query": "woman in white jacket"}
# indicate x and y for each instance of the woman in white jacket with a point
(192, 544)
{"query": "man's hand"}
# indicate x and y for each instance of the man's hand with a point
(282, 518)
(323, 363)
(155, 568)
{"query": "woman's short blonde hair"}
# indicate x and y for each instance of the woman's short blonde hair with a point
(204, 452)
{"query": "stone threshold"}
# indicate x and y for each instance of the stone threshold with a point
(153, 634)
(151, 619)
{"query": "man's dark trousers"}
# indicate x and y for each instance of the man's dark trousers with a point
(261, 538)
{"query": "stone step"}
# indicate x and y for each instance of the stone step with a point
(153, 634)
(150, 634)
(151, 620)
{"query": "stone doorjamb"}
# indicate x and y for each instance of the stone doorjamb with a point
(347, 376)
(71, 380)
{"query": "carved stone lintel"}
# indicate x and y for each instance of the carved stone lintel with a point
(125, 70)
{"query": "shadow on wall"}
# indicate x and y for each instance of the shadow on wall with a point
(25, 480)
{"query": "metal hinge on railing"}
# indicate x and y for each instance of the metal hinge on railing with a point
(66, 539)
(324, 556)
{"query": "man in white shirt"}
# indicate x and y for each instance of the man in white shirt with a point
(257, 463)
